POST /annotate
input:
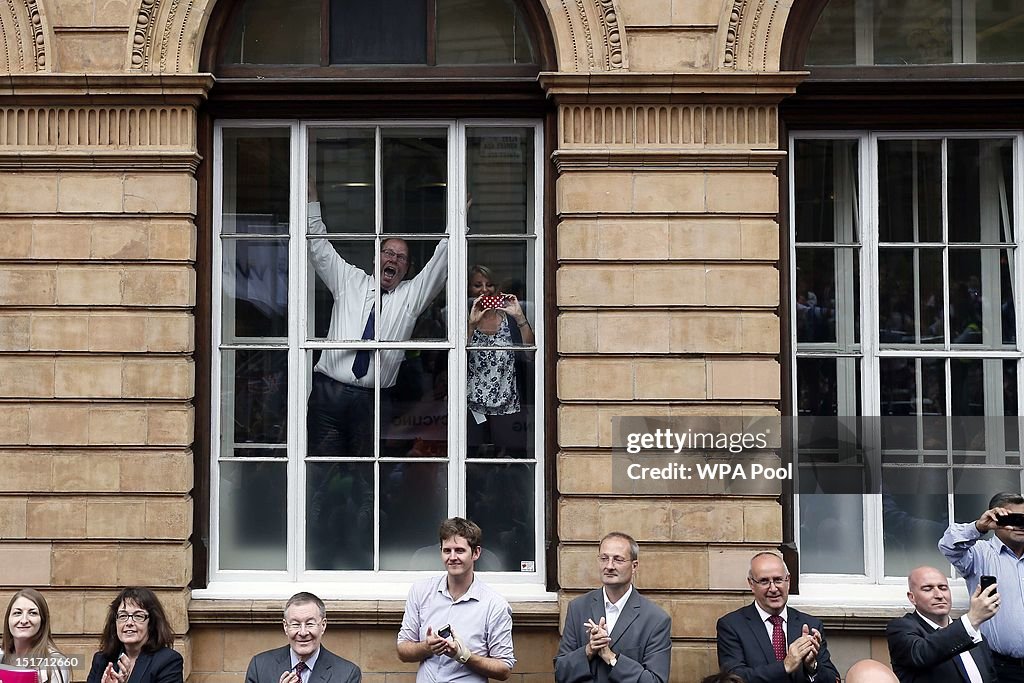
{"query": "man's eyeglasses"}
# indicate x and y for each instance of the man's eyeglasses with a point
(295, 626)
(137, 617)
(616, 559)
(392, 254)
(775, 580)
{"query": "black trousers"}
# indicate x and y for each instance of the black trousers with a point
(1008, 669)
(339, 420)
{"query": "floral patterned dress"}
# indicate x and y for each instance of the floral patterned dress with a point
(492, 374)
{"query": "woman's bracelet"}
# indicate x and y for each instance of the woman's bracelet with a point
(524, 323)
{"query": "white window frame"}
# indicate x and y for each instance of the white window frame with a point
(872, 588)
(275, 584)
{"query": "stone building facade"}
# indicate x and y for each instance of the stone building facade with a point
(663, 276)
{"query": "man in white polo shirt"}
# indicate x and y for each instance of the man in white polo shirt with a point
(454, 625)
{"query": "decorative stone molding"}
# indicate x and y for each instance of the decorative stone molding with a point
(668, 125)
(168, 34)
(97, 126)
(589, 35)
(750, 33)
(25, 36)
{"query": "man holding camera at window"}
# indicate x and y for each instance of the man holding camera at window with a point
(303, 659)
(769, 642)
(614, 633)
(455, 626)
(999, 556)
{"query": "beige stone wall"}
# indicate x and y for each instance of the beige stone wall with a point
(667, 291)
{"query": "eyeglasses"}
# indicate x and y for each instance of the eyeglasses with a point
(295, 626)
(392, 254)
(136, 617)
(775, 580)
(616, 559)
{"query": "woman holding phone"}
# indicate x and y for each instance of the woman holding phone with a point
(27, 642)
(493, 391)
(136, 642)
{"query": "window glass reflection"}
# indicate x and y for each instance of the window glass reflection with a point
(256, 177)
(255, 412)
(500, 498)
(910, 190)
(253, 515)
(415, 168)
(255, 289)
(343, 178)
(414, 499)
(481, 32)
(260, 26)
(339, 515)
(414, 411)
(499, 172)
(914, 516)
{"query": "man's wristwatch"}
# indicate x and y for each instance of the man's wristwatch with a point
(464, 657)
(614, 660)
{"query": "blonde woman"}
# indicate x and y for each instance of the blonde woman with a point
(27, 642)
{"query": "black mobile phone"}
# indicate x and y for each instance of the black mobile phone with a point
(987, 581)
(445, 631)
(1011, 519)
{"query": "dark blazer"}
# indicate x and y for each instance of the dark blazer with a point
(922, 654)
(163, 666)
(267, 667)
(744, 648)
(641, 641)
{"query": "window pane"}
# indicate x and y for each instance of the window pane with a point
(264, 34)
(826, 191)
(974, 487)
(255, 297)
(428, 272)
(338, 277)
(981, 194)
(1000, 29)
(343, 170)
(500, 498)
(481, 32)
(254, 399)
(414, 501)
(981, 297)
(822, 302)
(833, 39)
(910, 296)
(832, 526)
(256, 174)
(339, 515)
(914, 517)
(253, 515)
(414, 412)
(378, 32)
(910, 190)
(913, 32)
(914, 388)
(415, 167)
(499, 174)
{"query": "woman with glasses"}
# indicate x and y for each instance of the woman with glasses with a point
(27, 642)
(136, 642)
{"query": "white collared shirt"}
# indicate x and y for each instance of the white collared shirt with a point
(310, 663)
(612, 610)
(768, 625)
(973, 672)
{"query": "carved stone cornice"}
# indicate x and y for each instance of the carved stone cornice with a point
(25, 37)
(100, 88)
(82, 159)
(731, 86)
(648, 160)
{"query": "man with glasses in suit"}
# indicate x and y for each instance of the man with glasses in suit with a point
(769, 642)
(303, 659)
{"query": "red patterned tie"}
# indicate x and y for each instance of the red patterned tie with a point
(778, 637)
(299, 668)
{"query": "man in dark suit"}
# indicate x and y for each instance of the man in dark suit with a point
(768, 642)
(615, 627)
(303, 660)
(926, 646)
